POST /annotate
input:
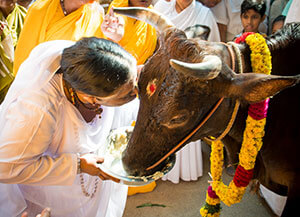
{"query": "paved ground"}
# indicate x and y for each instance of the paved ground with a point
(186, 198)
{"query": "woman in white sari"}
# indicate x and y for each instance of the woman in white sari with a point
(185, 13)
(53, 122)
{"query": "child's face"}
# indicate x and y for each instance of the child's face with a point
(251, 20)
(278, 25)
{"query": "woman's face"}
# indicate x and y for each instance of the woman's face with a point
(77, 3)
(183, 3)
(210, 3)
(251, 20)
(124, 94)
(140, 3)
(83, 1)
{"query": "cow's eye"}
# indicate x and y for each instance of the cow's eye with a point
(177, 121)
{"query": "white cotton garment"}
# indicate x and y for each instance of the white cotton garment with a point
(275, 201)
(293, 14)
(188, 165)
(40, 134)
(228, 13)
(194, 14)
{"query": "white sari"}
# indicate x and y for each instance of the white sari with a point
(195, 13)
(43, 166)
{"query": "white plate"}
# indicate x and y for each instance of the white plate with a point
(113, 166)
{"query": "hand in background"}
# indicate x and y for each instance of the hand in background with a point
(113, 26)
(45, 213)
(2, 26)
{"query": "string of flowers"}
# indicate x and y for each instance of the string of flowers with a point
(252, 139)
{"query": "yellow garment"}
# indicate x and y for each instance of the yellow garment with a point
(9, 39)
(139, 38)
(141, 189)
(45, 21)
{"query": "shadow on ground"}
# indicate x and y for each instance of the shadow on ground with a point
(186, 198)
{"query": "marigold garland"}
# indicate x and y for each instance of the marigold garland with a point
(252, 139)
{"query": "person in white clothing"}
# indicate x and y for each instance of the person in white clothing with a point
(186, 13)
(293, 14)
(183, 14)
(276, 8)
(227, 14)
(53, 124)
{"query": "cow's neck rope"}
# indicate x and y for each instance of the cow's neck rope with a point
(235, 52)
(233, 116)
(252, 140)
(189, 135)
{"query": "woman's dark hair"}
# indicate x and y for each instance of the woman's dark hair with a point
(258, 6)
(97, 66)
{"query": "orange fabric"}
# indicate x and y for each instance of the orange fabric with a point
(139, 38)
(141, 189)
(45, 21)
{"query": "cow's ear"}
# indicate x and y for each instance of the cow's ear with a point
(197, 31)
(254, 87)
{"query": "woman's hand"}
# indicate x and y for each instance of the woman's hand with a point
(88, 164)
(113, 26)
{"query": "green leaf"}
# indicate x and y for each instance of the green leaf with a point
(150, 205)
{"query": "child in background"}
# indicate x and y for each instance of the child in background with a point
(278, 23)
(252, 14)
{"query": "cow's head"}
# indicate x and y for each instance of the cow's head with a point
(178, 87)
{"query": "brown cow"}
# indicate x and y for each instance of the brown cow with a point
(183, 94)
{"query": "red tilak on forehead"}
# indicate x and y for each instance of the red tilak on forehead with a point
(151, 87)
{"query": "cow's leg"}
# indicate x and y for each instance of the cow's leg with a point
(292, 203)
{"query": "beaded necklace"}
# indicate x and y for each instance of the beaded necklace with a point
(84, 191)
(62, 4)
(74, 98)
(77, 102)
(95, 108)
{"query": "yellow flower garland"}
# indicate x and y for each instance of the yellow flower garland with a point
(252, 140)
(260, 54)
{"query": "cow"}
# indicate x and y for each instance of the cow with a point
(185, 78)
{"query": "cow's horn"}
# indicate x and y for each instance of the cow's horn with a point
(152, 17)
(208, 69)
